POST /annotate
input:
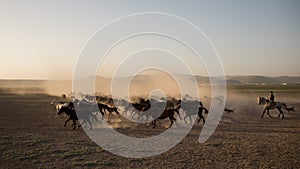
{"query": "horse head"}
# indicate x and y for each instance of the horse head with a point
(259, 100)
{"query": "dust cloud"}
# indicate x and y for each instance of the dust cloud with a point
(241, 99)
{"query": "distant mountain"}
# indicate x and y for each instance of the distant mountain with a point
(104, 81)
(233, 80)
(263, 79)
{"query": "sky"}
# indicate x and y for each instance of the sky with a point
(43, 39)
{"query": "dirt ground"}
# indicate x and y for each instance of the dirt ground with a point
(31, 137)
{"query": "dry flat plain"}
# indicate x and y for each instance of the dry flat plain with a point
(31, 137)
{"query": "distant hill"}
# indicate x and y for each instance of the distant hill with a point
(233, 80)
(248, 80)
(263, 79)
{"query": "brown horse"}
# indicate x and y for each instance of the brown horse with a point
(72, 115)
(104, 107)
(169, 113)
(142, 106)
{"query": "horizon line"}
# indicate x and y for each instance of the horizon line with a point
(67, 79)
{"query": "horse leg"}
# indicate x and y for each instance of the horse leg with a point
(84, 122)
(139, 116)
(263, 113)
(174, 120)
(185, 119)
(80, 125)
(90, 124)
(118, 114)
(74, 124)
(110, 113)
(125, 112)
(153, 123)
(94, 117)
(280, 112)
(133, 114)
(102, 113)
(171, 119)
(66, 122)
(191, 119)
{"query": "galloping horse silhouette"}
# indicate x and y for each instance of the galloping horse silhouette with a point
(267, 106)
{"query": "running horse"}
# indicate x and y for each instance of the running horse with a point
(268, 106)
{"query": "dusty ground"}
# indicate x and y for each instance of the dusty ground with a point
(31, 137)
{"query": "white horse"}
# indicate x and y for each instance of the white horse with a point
(58, 105)
(267, 106)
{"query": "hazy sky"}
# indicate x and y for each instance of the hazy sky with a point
(42, 39)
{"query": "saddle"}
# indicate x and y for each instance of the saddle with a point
(272, 104)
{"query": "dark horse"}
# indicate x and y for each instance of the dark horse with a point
(169, 113)
(142, 106)
(71, 113)
(104, 107)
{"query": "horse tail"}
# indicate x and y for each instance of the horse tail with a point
(284, 105)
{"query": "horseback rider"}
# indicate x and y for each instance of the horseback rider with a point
(272, 98)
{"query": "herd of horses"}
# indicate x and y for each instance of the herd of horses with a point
(145, 109)
(142, 110)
